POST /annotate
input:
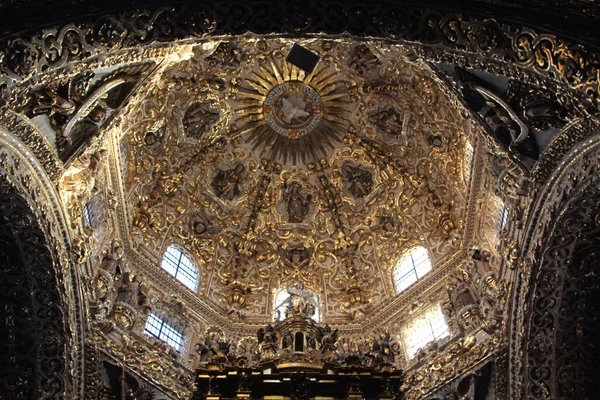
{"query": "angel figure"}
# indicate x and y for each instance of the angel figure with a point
(326, 336)
(59, 100)
(299, 302)
(295, 258)
(360, 180)
(388, 121)
(267, 334)
(227, 183)
(78, 182)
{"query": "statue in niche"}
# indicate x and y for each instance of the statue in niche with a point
(227, 183)
(78, 182)
(386, 225)
(296, 205)
(360, 180)
(287, 340)
(387, 120)
(130, 291)
(199, 119)
(113, 262)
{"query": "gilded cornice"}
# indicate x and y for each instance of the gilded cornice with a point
(544, 54)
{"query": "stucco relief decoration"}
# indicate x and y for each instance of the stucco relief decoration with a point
(313, 177)
(271, 176)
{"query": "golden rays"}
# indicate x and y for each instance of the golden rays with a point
(292, 117)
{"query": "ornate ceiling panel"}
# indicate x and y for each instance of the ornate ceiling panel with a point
(271, 175)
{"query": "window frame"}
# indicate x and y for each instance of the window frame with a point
(432, 315)
(416, 269)
(166, 330)
(190, 271)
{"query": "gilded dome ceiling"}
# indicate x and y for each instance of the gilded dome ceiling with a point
(230, 193)
(270, 175)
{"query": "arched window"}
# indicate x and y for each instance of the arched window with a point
(411, 268)
(283, 298)
(163, 329)
(181, 266)
(426, 327)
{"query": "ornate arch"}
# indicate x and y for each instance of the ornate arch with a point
(33, 355)
(557, 285)
(36, 240)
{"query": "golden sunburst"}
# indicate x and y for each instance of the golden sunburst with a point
(290, 116)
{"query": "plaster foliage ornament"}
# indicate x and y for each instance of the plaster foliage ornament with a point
(294, 163)
(270, 176)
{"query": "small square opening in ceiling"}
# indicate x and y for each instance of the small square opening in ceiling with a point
(303, 58)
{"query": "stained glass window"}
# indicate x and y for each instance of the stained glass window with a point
(411, 268)
(181, 266)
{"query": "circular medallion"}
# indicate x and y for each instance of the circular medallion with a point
(293, 109)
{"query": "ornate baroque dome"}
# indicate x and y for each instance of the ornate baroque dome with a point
(394, 200)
